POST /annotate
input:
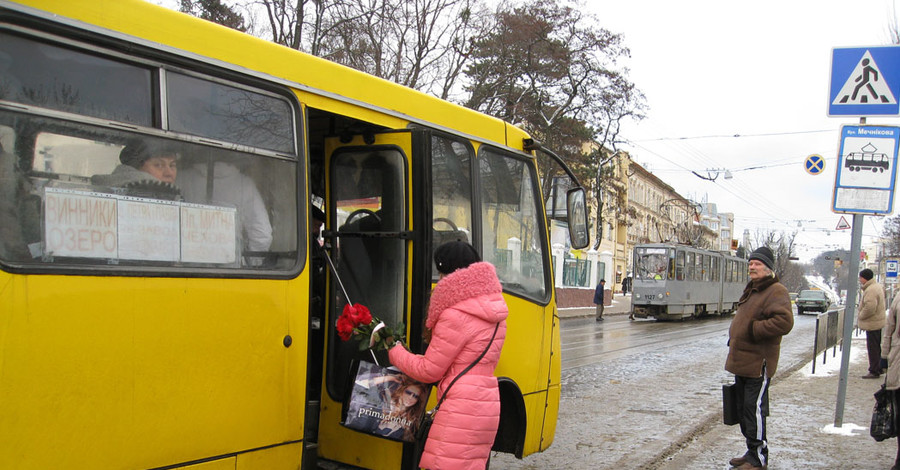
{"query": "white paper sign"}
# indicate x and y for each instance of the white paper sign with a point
(208, 234)
(149, 230)
(84, 224)
(80, 224)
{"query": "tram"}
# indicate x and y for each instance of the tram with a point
(674, 282)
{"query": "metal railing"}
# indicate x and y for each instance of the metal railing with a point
(829, 334)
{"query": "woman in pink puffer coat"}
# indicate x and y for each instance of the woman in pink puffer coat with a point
(466, 305)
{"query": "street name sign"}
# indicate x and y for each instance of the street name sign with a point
(866, 170)
(865, 81)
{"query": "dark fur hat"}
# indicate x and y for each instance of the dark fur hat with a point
(454, 255)
(765, 255)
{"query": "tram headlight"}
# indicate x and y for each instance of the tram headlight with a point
(637, 296)
(661, 295)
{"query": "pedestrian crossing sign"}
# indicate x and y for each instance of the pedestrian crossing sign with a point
(865, 81)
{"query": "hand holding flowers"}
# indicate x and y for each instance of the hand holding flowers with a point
(357, 322)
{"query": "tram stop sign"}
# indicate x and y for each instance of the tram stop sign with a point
(890, 272)
(866, 170)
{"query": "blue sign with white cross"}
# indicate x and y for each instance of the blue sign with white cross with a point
(865, 81)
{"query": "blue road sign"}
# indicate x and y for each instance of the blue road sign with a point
(866, 170)
(814, 164)
(891, 268)
(865, 81)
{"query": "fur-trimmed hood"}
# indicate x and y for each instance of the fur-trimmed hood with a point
(477, 280)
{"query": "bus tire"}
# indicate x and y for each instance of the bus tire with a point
(510, 436)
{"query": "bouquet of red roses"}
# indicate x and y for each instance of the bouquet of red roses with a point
(356, 322)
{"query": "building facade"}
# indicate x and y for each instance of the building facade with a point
(660, 214)
(722, 223)
(635, 207)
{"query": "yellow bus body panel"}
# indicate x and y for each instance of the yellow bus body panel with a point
(141, 372)
(282, 457)
(221, 464)
(336, 442)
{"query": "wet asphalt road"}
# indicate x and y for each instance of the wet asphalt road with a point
(586, 341)
(632, 390)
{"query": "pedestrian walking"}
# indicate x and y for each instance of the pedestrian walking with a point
(890, 354)
(871, 319)
(763, 317)
(466, 317)
(600, 298)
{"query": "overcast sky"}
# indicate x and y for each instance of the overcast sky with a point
(714, 69)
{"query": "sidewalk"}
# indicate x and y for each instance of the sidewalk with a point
(801, 431)
(621, 305)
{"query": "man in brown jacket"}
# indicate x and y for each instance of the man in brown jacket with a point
(764, 315)
(871, 318)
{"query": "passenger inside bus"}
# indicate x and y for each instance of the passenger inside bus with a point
(12, 241)
(221, 181)
(147, 169)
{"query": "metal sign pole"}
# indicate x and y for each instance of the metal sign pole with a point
(849, 315)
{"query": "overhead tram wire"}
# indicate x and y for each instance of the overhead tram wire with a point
(676, 145)
(726, 136)
(769, 207)
(688, 154)
(740, 197)
(682, 147)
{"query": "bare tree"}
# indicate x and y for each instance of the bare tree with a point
(284, 20)
(782, 245)
(551, 70)
(423, 44)
(215, 11)
(890, 230)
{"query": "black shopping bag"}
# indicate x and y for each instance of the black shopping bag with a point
(385, 402)
(882, 425)
(730, 404)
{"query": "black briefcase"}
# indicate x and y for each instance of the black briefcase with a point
(730, 404)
